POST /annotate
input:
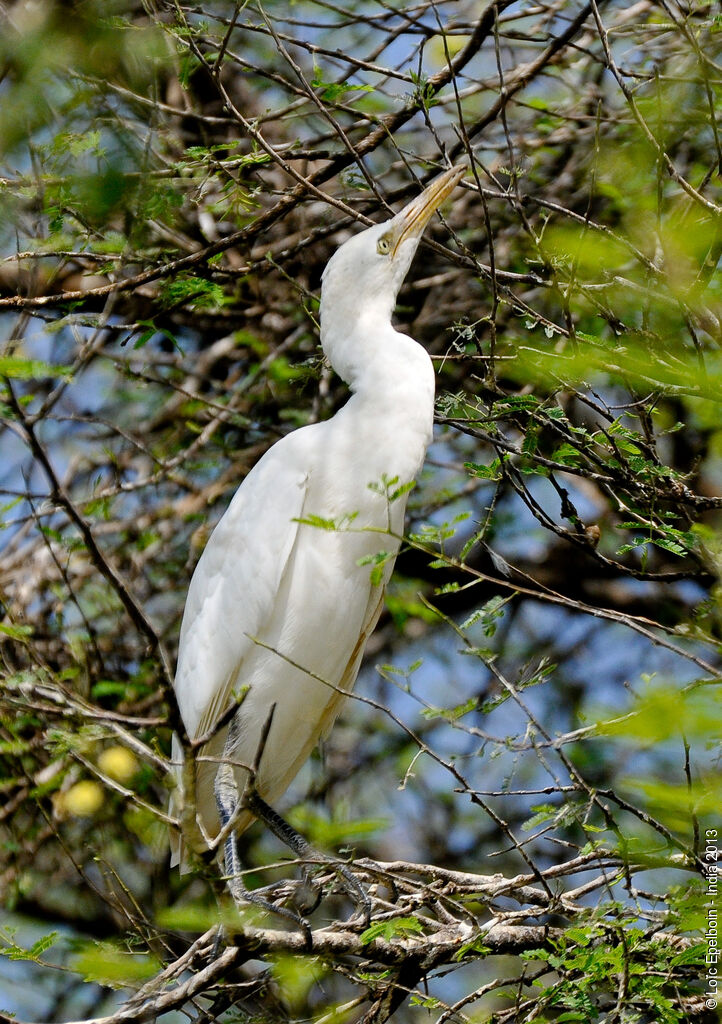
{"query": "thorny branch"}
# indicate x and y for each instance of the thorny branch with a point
(447, 937)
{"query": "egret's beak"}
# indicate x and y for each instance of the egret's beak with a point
(412, 220)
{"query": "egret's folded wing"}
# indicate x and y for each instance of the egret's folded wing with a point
(235, 584)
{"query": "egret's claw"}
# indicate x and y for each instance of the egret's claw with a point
(308, 894)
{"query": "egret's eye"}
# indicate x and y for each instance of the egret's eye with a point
(383, 246)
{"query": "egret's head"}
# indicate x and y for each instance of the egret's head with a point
(364, 275)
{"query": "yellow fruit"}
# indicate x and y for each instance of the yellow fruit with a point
(84, 799)
(119, 763)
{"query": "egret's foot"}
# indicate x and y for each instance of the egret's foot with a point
(302, 894)
(217, 941)
(305, 893)
(301, 846)
(308, 893)
(251, 897)
(357, 894)
(353, 888)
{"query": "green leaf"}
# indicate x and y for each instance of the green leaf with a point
(341, 523)
(332, 91)
(490, 472)
(20, 633)
(567, 455)
(428, 1002)
(390, 929)
(516, 402)
(530, 442)
(295, 976)
(670, 545)
(150, 332)
(451, 714)
(109, 964)
(189, 63)
(475, 946)
(38, 948)
(489, 614)
(188, 917)
(109, 688)
(397, 492)
(196, 292)
(18, 368)
(14, 952)
(334, 834)
(8, 507)
(395, 670)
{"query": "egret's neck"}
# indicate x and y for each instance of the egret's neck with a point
(392, 380)
(372, 357)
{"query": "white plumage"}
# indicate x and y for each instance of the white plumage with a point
(277, 605)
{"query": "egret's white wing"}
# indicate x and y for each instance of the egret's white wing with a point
(342, 687)
(235, 585)
(232, 595)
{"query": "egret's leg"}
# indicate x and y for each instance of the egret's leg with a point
(226, 793)
(303, 849)
(255, 803)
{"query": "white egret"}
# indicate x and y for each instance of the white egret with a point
(279, 608)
